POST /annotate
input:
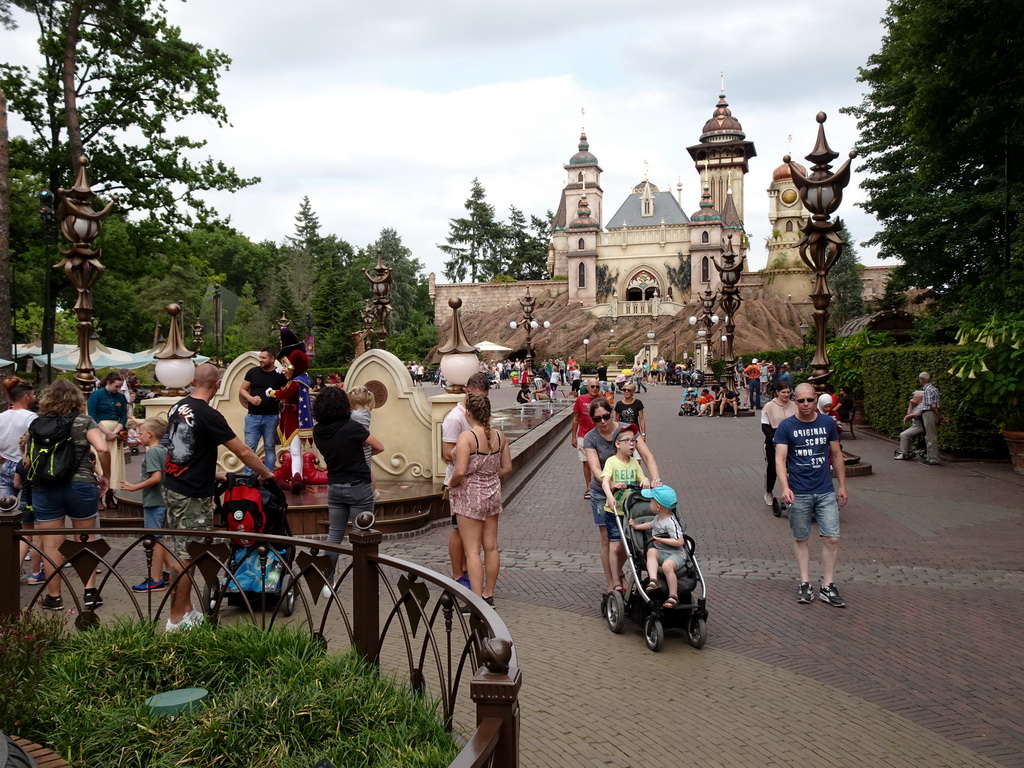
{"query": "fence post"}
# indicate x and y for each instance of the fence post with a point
(365, 599)
(10, 576)
(495, 691)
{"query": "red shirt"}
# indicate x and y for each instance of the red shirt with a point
(582, 407)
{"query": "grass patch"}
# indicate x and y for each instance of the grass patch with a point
(276, 699)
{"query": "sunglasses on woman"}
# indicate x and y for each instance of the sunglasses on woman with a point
(603, 418)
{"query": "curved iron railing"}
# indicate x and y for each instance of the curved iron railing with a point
(399, 616)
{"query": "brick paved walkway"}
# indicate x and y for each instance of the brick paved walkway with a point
(924, 668)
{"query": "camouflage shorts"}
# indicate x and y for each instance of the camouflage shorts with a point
(186, 513)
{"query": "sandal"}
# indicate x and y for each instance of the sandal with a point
(586, 495)
(671, 602)
(620, 589)
(653, 585)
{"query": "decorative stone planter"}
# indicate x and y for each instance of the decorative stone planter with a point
(1015, 444)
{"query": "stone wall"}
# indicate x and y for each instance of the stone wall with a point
(488, 298)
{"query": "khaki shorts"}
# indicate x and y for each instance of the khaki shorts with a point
(580, 450)
(187, 513)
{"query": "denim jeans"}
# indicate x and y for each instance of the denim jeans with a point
(754, 392)
(344, 502)
(261, 427)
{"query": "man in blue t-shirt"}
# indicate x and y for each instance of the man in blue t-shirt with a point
(805, 446)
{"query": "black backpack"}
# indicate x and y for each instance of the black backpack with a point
(52, 457)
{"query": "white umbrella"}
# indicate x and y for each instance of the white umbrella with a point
(487, 346)
(5, 363)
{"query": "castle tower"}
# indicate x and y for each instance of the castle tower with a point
(583, 178)
(724, 155)
(706, 242)
(581, 256)
(785, 273)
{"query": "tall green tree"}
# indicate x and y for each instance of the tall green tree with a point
(942, 134)
(474, 243)
(527, 252)
(114, 82)
(844, 280)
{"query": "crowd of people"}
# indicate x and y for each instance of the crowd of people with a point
(801, 428)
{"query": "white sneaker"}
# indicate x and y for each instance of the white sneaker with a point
(192, 618)
(768, 499)
(326, 591)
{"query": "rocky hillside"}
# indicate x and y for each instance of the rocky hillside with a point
(763, 322)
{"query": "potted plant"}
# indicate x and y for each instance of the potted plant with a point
(991, 365)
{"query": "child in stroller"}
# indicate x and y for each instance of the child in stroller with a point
(682, 608)
(688, 407)
(668, 552)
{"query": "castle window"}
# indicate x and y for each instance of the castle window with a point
(647, 208)
(580, 176)
(581, 274)
(704, 237)
(789, 226)
(581, 246)
(705, 270)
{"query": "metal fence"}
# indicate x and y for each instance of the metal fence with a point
(401, 617)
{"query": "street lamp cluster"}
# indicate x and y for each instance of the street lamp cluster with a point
(528, 304)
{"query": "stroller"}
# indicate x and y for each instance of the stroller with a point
(244, 506)
(646, 609)
(688, 407)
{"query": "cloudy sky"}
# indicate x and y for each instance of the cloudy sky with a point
(384, 113)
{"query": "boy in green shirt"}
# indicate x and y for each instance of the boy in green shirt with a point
(620, 472)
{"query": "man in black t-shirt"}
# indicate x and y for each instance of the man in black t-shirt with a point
(261, 421)
(194, 433)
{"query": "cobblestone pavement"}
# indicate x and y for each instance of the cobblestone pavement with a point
(924, 668)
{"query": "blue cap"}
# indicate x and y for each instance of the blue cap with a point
(663, 494)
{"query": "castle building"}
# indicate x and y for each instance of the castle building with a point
(649, 256)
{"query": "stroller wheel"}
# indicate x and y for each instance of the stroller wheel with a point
(697, 632)
(777, 506)
(211, 598)
(288, 596)
(615, 611)
(654, 633)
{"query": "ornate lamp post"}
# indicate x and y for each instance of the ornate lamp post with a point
(197, 334)
(821, 245)
(586, 348)
(729, 272)
(459, 358)
(707, 319)
(528, 304)
(80, 224)
(380, 282)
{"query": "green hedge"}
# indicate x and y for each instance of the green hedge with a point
(890, 376)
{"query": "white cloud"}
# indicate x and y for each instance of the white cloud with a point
(383, 115)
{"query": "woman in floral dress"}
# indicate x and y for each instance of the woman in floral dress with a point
(482, 459)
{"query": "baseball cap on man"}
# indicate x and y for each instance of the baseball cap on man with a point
(663, 494)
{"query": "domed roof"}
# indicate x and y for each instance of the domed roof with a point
(782, 172)
(722, 124)
(707, 210)
(584, 156)
(583, 218)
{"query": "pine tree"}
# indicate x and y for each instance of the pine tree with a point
(844, 280)
(474, 242)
